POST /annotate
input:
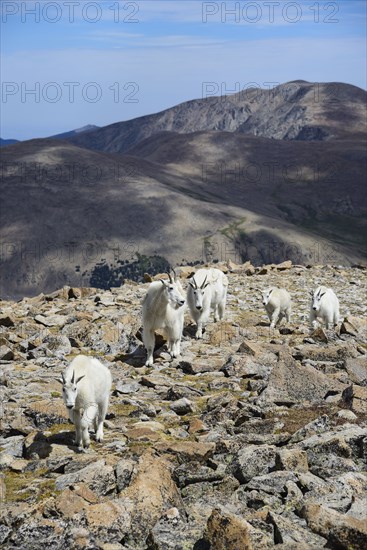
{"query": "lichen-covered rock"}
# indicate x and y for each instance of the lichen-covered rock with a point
(182, 406)
(290, 383)
(124, 473)
(252, 461)
(356, 398)
(291, 459)
(152, 491)
(273, 483)
(357, 370)
(354, 326)
(98, 476)
(340, 530)
(174, 531)
(109, 521)
(225, 530)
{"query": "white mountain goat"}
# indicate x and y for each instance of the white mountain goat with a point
(277, 302)
(325, 306)
(207, 289)
(86, 386)
(163, 307)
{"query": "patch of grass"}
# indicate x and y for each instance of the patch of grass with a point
(139, 447)
(169, 423)
(15, 485)
(55, 394)
(201, 404)
(46, 490)
(190, 379)
(57, 428)
(295, 419)
(120, 409)
(18, 485)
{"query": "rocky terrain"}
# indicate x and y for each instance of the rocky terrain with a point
(254, 438)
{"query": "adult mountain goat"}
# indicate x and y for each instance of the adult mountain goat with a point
(86, 387)
(277, 302)
(163, 307)
(207, 289)
(324, 306)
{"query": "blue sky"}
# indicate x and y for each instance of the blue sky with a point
(103, 62)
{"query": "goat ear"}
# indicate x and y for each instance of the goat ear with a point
(207, 284)
(163, 282)
(79, 379)
(192, 284)
(323, 294)
(60, 380)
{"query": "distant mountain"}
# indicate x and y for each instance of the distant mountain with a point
(5, 142)
(296, 110)
(207, 180)
(72, 133)
(65, 135)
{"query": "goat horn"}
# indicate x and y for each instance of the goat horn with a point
(63, 378)
(170, 277)
(193, 280)
(73, 377)
(202, 286)
(174, 273)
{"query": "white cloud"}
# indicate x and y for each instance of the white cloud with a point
(136, 40)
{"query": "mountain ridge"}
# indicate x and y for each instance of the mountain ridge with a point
(267, 113)
(7, 142)
(186, 196)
